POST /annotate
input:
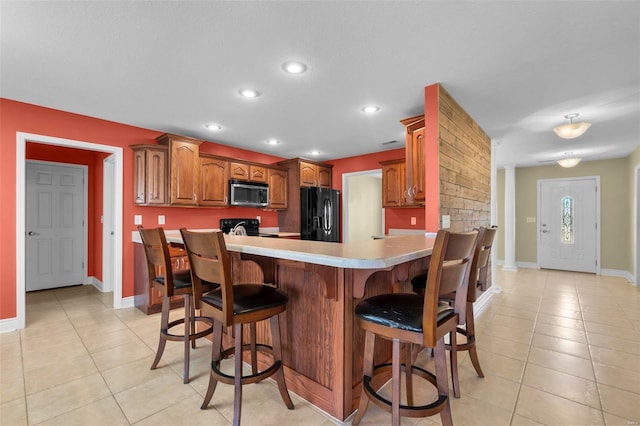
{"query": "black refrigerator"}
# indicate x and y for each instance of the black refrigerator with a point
(319, 214)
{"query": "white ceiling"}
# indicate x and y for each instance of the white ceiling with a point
(516, 67)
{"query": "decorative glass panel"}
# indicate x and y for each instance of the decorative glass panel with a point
(567, 220)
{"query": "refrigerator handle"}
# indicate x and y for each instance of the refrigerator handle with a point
(328, 215)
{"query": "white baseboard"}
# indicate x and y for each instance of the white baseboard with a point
(482, 301)
(127, 302)
(8, 325)
(618, 273)
(95, 282)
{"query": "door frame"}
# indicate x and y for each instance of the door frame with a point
(21, 142)
(108, 213)
(345, 197)
(636, 196)
(85, 211)
(598, 226)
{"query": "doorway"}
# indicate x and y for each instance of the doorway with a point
(56, 216)
(21, 141)
(108, 167)
(362, 212)
(569, 224)
(637, 226)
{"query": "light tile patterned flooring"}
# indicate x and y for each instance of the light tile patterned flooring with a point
(557, 348)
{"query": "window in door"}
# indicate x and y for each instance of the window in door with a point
(567, 220)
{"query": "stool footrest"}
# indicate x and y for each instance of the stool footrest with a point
(192, 336)
(251, 378)
(405, 410)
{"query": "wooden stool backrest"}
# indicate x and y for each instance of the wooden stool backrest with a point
(156, 250)
(483, 261)
(210, 262)
(449, 271)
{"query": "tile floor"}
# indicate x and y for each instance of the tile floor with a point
(557, 348)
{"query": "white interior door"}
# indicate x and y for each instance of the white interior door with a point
(363, 215)
(108, 224)
(568, 225)
(55, 216)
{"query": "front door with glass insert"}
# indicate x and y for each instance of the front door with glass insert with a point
(567, 229)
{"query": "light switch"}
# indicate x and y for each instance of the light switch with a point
(446, 221)
(259, 218)
(137, 219)
(160, 219)
(413, 220)
(531, 220)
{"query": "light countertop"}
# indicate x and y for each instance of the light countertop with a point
(371, 254)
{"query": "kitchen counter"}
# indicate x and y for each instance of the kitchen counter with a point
(378, 254)
(321, 342)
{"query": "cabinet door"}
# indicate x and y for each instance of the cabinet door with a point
(258, 173)
(393, 184)
(308, 174)
(214, 186)
(139, 177)
(417, 164)
(156, 177)
(184, 173)
(324, 176)
(239, 171)
(278, 189)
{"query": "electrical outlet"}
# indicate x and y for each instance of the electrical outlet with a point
(137, 219)
(446, 221)
(160, 219)
(413, 220)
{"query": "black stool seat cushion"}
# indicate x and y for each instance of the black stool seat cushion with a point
(399, 310)
(181, 279)
(248, 298)
(419, 283)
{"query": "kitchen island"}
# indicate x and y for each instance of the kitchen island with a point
(322, 345)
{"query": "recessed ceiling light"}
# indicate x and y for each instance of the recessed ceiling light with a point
(315, 153)
(272, 141)
(294, 67)
(249, 93)
(370, 109)
(212, 126)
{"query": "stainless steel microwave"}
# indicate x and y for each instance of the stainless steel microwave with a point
(248, 194)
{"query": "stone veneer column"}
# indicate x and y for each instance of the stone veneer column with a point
(510, 218)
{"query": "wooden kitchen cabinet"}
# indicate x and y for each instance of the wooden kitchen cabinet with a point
(314, 174)
(184, 162)
(214, 178)
(150, 175)
(414, 150)
(247, 171)
(394, 188)
(278, 188)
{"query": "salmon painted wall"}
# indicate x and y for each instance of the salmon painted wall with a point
(431, 160)
(27, 118)
(393, 218)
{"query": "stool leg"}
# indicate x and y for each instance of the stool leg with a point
(164, 325)
(471, 334)
(188, 325)
(193, 320)
(254, 352)
(409, 372)
(216, 349)
(367, 370)
(453, 356)
(395, 383)
(237, 379)
(442, 379)
(277, 356)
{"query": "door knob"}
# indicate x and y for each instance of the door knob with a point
(31, 233)
(544, 231)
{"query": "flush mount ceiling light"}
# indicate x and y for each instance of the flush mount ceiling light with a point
(315, 153)
(213, 127)
(272, 141)
(569, 162)
(249, 93)
(294, 67)
(571, 130)
(370, 109)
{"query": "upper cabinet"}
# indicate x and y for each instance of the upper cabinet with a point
(414, 149)
(394, 187)
(278, 197)
(214, 178)
(315, 174)
(150, 174)
(248, 171)
(184, 162)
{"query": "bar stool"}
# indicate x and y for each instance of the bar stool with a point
(171, 283)
(235, 305)
(477, 279)
(406, 318)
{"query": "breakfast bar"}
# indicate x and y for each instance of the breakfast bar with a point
(322, 345)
